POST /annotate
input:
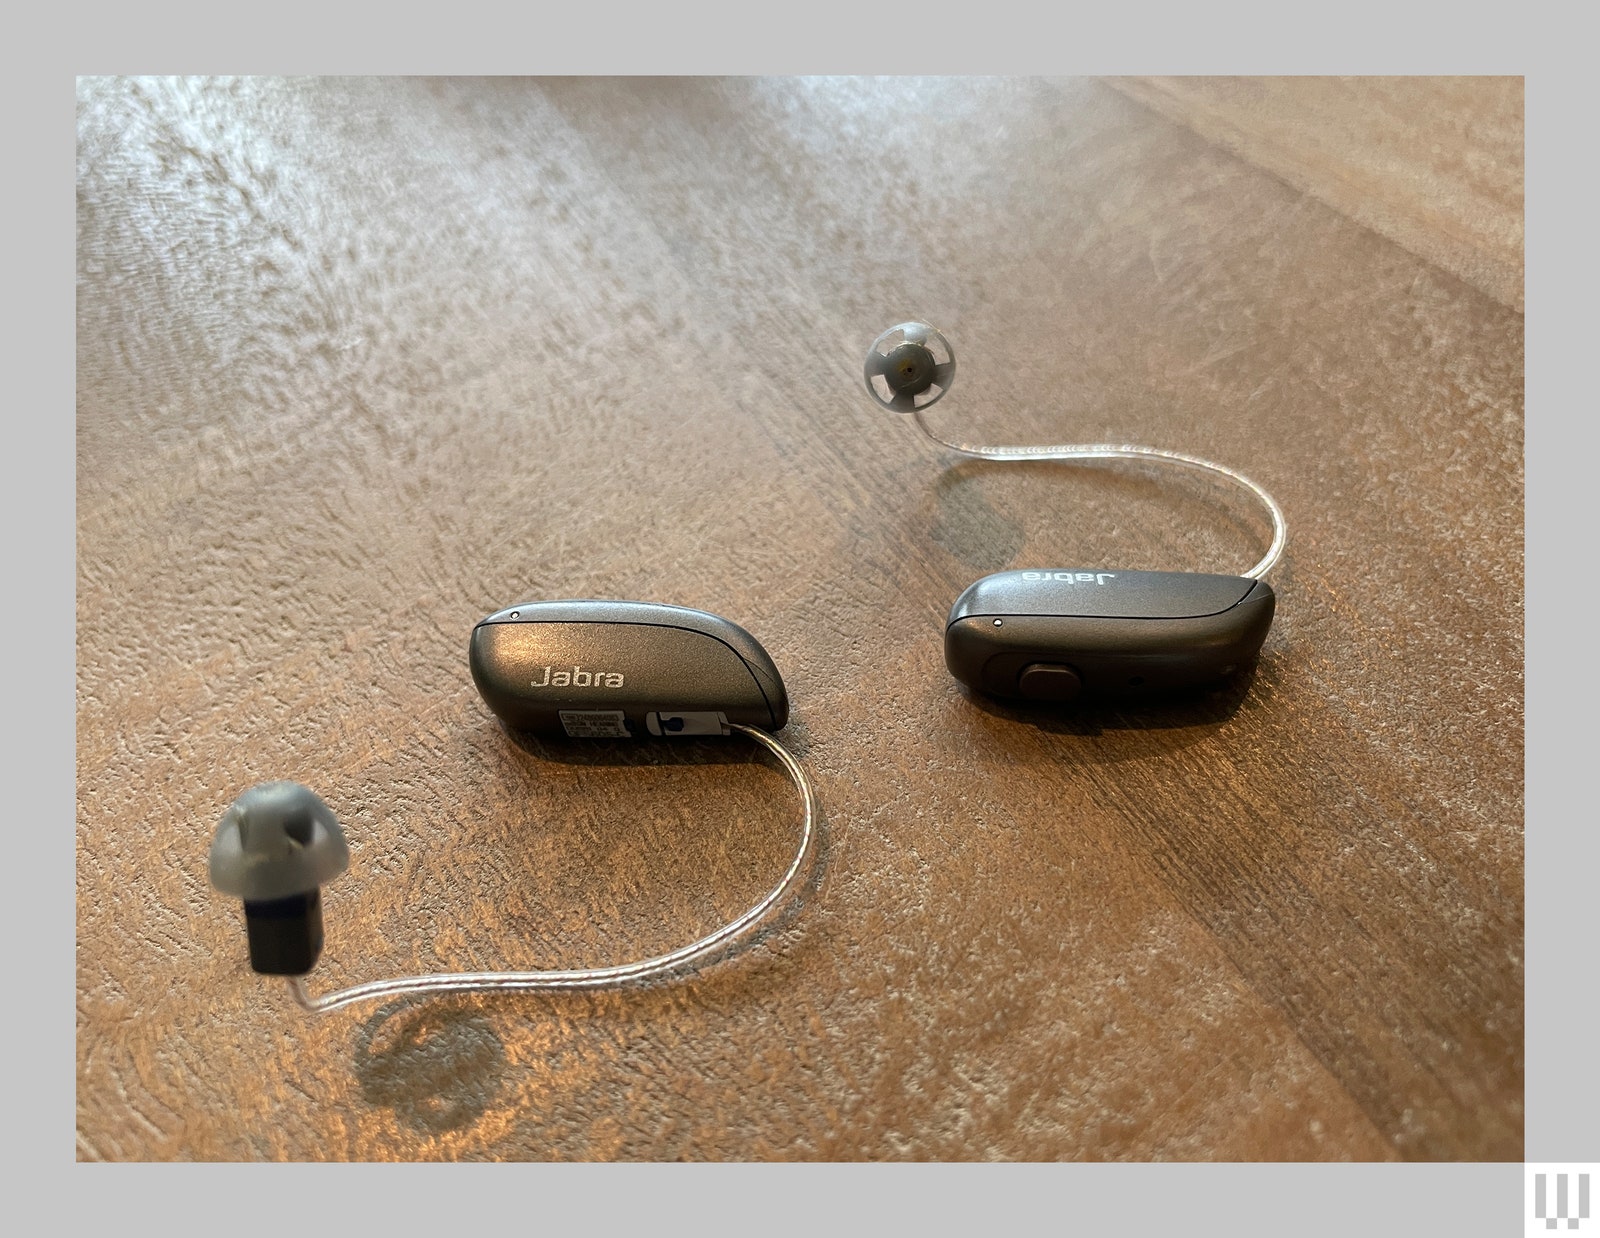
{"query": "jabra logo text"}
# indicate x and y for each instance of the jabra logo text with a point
(577, 677)
(1072, 578)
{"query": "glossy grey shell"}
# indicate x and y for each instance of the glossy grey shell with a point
(535, 661)
(1120, 634)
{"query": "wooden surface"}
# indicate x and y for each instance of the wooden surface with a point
(1432, 163)
(362, 361)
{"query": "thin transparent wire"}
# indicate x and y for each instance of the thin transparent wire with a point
(1118, 451)
(600, 977)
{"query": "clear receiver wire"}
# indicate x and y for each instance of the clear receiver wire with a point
(1116, 451)
(601, 977)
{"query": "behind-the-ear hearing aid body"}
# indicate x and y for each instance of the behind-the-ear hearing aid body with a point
(1082, 633)
(578, 669)
(586, 669)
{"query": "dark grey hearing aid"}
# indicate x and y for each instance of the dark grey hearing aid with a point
(1081, 633)
(591, 669)
(572, 670)
(275, 848)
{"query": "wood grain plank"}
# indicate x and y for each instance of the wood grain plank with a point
(1432, 163)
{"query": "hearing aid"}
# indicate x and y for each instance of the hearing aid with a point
(568, 670)
(1092, 632)
(615, 669)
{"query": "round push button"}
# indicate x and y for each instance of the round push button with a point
(1048, 681)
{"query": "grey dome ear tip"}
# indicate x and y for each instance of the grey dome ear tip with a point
(925, 339)
(266, 871)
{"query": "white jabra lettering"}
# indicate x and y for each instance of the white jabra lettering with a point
(577, 677)
(1072, 578)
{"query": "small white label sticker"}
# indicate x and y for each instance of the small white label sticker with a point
(595, 723)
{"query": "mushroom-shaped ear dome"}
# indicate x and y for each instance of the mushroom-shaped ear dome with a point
(909, 366)
(275, 841)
